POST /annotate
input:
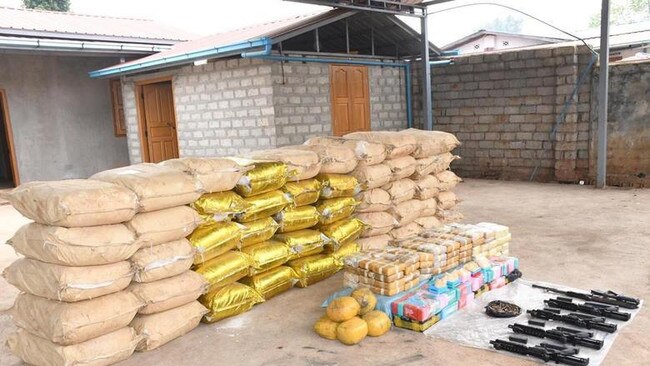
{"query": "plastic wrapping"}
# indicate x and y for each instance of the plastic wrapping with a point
(265, 177)
(267, 255)
(297, 218)
(301, 164)
(314, 268)
(343, 231)
(378, 223)
(337, 185)
(366, 152)
(373, 200)
(220, 206)
(303, 242)
(304, 192)
(345, 251)
(335, 209)
(264, 205)
(258, 231)
(372, 176)
(225, 269)
(213, 239)
(272, 282)
(214, 174)
(229, 300)
(400, 190)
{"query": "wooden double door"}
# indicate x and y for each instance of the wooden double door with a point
(158, 122)
(350, 98)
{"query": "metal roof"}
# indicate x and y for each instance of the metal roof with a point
(17, 22)
(481, 33)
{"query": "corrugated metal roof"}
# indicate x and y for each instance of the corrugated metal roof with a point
(66, 25)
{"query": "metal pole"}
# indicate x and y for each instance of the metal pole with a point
(603, 85)
(426, 80)
(347, 36)
(317, 40)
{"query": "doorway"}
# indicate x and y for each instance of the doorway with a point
(350, 99)
(8, 167)
(157, 120)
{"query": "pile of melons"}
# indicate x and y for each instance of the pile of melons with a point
(351, 318)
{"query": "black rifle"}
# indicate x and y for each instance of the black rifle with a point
(603, 297)
(559, 334)
(607, 311)
(542, 352)
(579, 320)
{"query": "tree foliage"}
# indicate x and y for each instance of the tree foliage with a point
(509, 24)
(53, 5)
(624, 12)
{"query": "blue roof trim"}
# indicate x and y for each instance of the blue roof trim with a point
(185, 58)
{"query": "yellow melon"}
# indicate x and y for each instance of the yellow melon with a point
(342, 309)
(365, 298)
(378, 323)
(326, 328)
(352, 331)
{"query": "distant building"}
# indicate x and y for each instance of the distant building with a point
(485, 41)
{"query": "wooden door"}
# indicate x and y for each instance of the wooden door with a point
(350, 99)
(159, 122)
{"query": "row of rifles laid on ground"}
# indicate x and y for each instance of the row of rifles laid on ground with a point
(588, 316)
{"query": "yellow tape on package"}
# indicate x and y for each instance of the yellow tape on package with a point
(212, 239)
(258, 231)
(267, 255)
(336, 209)
(338, 185)
(220, 206)
(297, 218)
(314, 268)
(230, 300)
(344, 251)
(272, 282)
(225, 269)
(264, 205)
(265, 177)
(303, 242)
(304, 192)
(343, 231)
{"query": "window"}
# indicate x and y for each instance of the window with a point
(118, 107)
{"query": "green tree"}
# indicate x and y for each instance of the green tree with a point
(624, 12)
(508, 24)
(53, 5)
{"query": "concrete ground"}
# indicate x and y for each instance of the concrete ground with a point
(573, 235)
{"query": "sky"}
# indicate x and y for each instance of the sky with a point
(204, 17)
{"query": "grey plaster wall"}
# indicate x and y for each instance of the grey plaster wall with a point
(62, 119)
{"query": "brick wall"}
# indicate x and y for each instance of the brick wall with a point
(387, 98)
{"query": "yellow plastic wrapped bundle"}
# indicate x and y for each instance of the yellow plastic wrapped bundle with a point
(229, 300)
(272, 282)
(296, 218)
(220, 206)
(264, 205)
(267, 255)
(345, 250)
(303, 242)
(314, 268)
(335, 209)
(258, 231)
(304, 192)
(265, 177)
(338, 185)
(343, 231)
(225, 269)
(212, 239)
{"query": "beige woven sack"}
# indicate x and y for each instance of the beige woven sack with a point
(433, 164)
(428, 222)
(396, 144)
(372, 176)
(449, 216)
(447, 200)
(378, 223)
(366, 152)
(401, 167)
(214, 174)
(104, 350)
(303, 164)
(73, 202)
(64, 283)
(160, 328)
(406, 212)
(448, 180)
(156, 186)
(162, 261)
(407, 231)
(429, 207)
(400, 190)
(378, 242)
(427, 187)
(170, 292)
(163, 226)
(68, 323)
(429, 143)
(82, 246)
(374, 200)
(333, 159)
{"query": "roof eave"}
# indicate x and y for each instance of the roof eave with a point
(86, 37)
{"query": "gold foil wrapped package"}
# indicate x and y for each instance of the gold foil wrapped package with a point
(338, 185)
(220, 206)
(345, 250)
(335, 209)
(267, 255)
(229, 300)
(272, 282)
(302, 242)
(212, 239)
(304, 192)
(264, 205)
(314, 268)
(258, 231)
(225, 269)
(343, 231)
(296, 218)
(265, 177)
